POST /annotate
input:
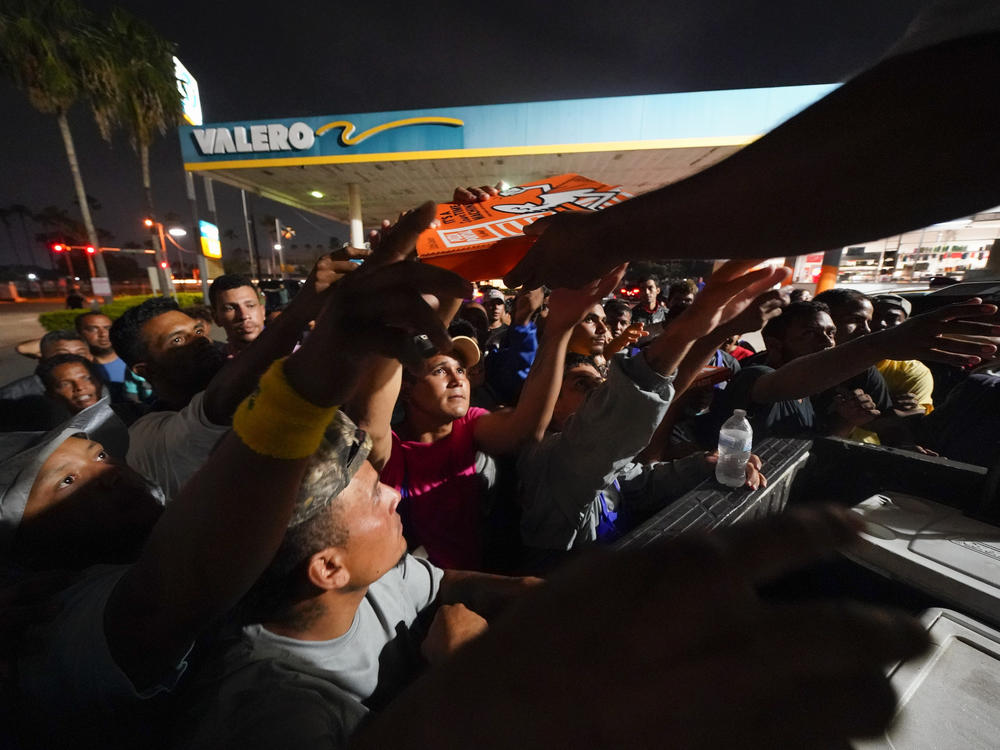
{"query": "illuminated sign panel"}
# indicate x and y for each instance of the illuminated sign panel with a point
(654, 121)
(210, 245)
(190, 99)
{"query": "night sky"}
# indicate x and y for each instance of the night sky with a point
(256, 60)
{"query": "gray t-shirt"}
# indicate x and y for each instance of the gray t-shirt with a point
(270, 691)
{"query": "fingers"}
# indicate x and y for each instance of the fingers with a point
(610, 281)
(474, 194)
(398, 242)
(970, 308)
(535, 228)
(424, 278)
(781, 543)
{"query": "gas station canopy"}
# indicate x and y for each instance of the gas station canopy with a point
(395, 160)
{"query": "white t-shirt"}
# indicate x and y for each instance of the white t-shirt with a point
(168, 447)
(276, 692)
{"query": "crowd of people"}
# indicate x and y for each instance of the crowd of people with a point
(385, 517)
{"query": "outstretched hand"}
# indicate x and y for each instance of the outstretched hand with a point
(376, 310)
(926, 336)
(565, 253)
(754, 315)
(567, 307)
(732, 289)
(628, 337)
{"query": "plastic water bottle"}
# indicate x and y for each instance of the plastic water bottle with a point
(735, 439)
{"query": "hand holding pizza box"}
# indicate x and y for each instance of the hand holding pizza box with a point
(485, 240)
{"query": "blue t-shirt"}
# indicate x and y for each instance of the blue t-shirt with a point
(114, 370)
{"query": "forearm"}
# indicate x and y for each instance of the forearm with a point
(505, 432)
(694, 361)
(372, 405)
(873, 149)
(672, 346)
(239, 377)
(815, 373)
(485, 594)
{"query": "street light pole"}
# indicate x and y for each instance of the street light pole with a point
(162, 266)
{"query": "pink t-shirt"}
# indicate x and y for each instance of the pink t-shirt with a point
(442, 505)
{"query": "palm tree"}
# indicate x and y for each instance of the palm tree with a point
(45, 48)
(5, 218)
(134, 85)
(22, 213)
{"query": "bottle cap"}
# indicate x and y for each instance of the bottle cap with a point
(739, 412)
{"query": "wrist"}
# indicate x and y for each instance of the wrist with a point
(325, 375)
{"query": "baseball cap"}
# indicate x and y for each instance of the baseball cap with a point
(343, 450)
(892, 300)
(22, 455)
(493, 294)
(467, 350)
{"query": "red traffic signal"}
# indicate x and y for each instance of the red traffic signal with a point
(90, 250)
(57, 248)
(163, 265)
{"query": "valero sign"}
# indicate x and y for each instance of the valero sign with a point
(317, 135)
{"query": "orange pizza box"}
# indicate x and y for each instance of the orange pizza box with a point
(710, 375)
(485, 240)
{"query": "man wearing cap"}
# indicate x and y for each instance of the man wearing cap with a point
(330, 629)
(910, 381)
(496, 308)
(431, 457)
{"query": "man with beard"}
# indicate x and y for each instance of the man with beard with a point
(237, 307)
(95, 328)
(196, 395)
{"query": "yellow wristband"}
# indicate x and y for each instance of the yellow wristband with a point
(276, 421)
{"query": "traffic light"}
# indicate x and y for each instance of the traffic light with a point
(90, 250)
(57, 248)
(163, 265)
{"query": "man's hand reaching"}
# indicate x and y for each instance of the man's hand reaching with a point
(926, 336)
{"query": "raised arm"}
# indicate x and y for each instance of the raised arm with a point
(505, 431)
(224, 527)
(238, 378)
(921, 337)
(884, 149)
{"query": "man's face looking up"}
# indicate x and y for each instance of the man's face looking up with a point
(96, 330)
(240, 313)
(443, 389)
(853, 320)
(808, 336)
(590, 335)
(180, 354)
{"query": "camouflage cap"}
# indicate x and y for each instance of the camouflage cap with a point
(332, 467)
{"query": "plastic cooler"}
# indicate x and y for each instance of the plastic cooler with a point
(711, 504)
(949, 698)
(934, 548)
